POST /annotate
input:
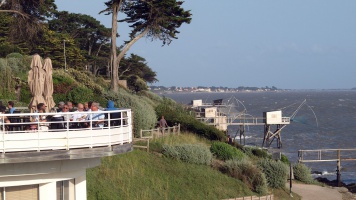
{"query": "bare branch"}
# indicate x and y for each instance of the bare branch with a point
(17, 12)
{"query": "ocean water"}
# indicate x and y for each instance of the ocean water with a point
(326, 121)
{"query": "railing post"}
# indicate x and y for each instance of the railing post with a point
(148, 145)
(338, 173)
(178, 128)
(109, 126)
(141, 133)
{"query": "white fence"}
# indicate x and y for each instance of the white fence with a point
(17, 136)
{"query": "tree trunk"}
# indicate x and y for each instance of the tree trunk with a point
(114, 63)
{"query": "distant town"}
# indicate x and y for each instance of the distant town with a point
(162, 89)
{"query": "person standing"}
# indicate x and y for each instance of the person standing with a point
(162, 124)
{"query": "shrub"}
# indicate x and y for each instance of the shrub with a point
(191, 153)
(80, 94)
(302, 173)
(256, 151)
(276, 172)
(175, 113)
(225, 151)
(144, 116)
(248, 173)
(285, 159)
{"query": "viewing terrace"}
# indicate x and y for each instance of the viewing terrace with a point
(23, 140)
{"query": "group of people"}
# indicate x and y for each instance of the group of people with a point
(78, 117)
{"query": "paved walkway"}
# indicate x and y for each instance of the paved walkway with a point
(315, 192)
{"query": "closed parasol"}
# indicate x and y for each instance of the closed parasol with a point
(36, 82)
(48, 84)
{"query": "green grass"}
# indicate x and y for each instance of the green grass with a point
(142, 175)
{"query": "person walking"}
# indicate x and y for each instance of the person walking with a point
(162, 124)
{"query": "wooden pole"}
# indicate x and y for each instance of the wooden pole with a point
(338, 173)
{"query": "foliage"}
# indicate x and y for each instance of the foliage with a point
(302, 173)
(190, 153)
(276, 172)
(175, 113)
(156, 144)
(136, 66)
(248, 173)
(144, 116)
(141, 175)
(256, 151)
(7, 89)
(80, 94)
(285, 159)
(136, 84)
(85, 33)
(225, 151)
(87, 80)
(161, 18)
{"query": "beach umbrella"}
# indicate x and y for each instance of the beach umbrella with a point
(48, 84)
(36, 82)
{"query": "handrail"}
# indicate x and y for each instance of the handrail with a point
(116, 130)
(324, 155)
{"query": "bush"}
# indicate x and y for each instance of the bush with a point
(225, 151)
(285, 159)
(144, 116)
(256, 151)
(276, 172)
(191, 153)
(248, 173)
(302, 173)
(80, 94)
(175, 113)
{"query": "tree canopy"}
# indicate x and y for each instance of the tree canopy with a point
(155, 19)
(36, 26)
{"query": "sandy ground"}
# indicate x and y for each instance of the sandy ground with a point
(314, 192)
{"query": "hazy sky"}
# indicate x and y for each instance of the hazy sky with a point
(297, 44)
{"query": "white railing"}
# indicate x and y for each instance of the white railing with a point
(54, 135)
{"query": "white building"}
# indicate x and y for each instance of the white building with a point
(51, 165)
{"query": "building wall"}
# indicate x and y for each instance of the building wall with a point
(22, 178)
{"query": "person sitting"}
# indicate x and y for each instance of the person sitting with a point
(78, 116)
(2, 106)
(41, 108)
(60, 106)
(4, 119)
(96, 118)
(10, 105)
(86, 106)
(70, 106)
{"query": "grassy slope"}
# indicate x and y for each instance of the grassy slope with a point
(142, 175)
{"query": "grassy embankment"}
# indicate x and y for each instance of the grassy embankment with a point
(142, 175)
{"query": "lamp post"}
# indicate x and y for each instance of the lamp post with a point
(64, 52)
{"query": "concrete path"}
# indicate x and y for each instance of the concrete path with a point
(314, 192)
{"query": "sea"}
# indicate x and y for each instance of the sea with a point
(326, 120)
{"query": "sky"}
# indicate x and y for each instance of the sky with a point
(295, 44)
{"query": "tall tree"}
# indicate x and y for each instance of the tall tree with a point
(27, 19)
(155, 19)
(136, 66)
(89, 34)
